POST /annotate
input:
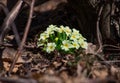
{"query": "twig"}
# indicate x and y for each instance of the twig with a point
(106, 63)
(106, 45)
(9, 20)
(49, 5)
(99, 39)
(116, 61)
(20, 80)
(6, 11)
(11, 45)
(112, 49)
(20, 48)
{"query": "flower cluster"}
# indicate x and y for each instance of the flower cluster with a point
(61, 39)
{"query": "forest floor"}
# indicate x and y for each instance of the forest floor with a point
(38, 67)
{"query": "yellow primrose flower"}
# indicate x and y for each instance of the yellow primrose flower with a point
(61, 29)
(75, 32)
(67, 30)
(74, 36)
(43, 36)
(84, 45)
(80, 40)
(51, 26)
(50, 47)
(81, 37)
(49, 31)
(40, 43)
(66, 45)
(75, 45)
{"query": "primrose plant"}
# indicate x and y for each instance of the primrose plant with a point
(62, 39)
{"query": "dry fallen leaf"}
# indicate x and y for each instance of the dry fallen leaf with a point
(56, 64)
(9, 53)
(7, 66)
(115, 72)
(8, 57)
(100, 74)
(50, 79)
(99, 71)
(91, 49)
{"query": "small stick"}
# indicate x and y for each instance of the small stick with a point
(6, 11)
(115, 61)
(20, 48)
(9, 20)
(113, 46)
(20, 80)
(99, 39)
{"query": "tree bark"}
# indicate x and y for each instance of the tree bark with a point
(105, 22)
